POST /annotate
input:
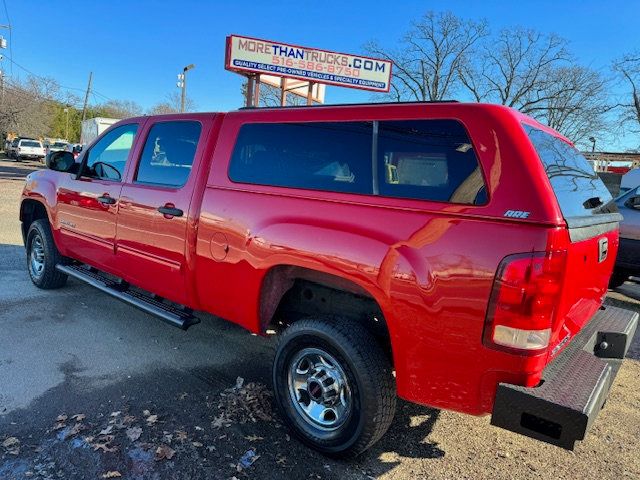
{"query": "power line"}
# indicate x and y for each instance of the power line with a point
(61, 86)
(101, 95)
(13, 62)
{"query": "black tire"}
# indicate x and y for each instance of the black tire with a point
(370, 381)
(40, 245)
(618, 278)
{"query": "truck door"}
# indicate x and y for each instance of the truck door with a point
(87, 204)
(154, 208)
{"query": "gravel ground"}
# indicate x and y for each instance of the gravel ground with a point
(90, 388)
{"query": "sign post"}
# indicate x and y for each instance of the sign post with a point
(301, 70)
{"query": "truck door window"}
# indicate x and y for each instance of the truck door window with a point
(168, 153)
(332, 156)
(107, 158)
(428, 160)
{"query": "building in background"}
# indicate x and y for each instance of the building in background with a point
(613, 162)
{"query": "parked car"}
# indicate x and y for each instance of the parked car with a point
(23, 147)
(630, 180)
(455, 255)
(13, 146)
(628, 259)
(57, 146)
(28, 148)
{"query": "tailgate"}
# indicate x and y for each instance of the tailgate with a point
(591, 256)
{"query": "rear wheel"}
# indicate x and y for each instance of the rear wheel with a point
(43, 256)
(334, 386)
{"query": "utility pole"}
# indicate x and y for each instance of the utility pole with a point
(86, 97)
(182, 83)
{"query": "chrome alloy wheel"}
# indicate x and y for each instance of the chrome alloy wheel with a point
(319, 389)
(36, 257)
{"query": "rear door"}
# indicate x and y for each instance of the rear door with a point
(87, 204)
(154, 208)
(592, 219)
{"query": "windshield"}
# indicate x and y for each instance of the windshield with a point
(59, 145)
(579, 190)
(29, 143)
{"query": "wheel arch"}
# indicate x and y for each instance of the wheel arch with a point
(300, 292)
(31, 210)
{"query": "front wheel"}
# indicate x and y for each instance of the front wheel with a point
(43, 256)
(334, 386)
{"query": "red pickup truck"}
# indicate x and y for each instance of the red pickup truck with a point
(454, 255)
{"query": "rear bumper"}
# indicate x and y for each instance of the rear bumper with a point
(574, 386)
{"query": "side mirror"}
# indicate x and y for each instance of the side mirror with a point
(61, 161)
(633, 202)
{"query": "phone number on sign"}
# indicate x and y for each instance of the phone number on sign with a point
(316, 66)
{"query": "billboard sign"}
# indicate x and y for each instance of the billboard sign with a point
(245, 54)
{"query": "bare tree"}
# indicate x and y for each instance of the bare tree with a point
(171, 104)
(27, 107)
(628, 70)
(430, 56)
(575, 103)
(119, 109)
(515, 68)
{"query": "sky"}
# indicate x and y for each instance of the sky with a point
(136, 48)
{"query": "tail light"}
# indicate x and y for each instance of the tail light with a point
(525, 296)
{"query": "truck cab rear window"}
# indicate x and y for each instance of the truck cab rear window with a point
(417, 159)
(317, 156)
(579, 190)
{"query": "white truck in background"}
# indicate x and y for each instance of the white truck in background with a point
(91, 128)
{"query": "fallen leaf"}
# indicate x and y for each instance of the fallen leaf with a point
(220, 421)
(111, 474)
(146, 413)
(78, 417)
(151, 419)
(73, 431)
(61, 418)
(106, 431)
(59, 425)
(14, 451)
(134, 433)
(181, 435)
(128, 419)
(164, 451)
(196, 444)
(199, 428)
(253, 438)
(10, 442)
(105, 447)
(281, 460)
(182, 396)
(115, 414)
